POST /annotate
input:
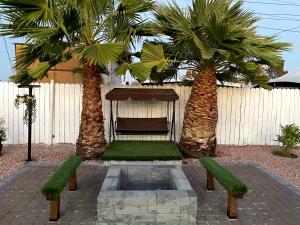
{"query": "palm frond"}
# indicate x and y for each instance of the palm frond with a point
(261, 80)
(128, 22)
(138, 70)
(39, 71)
(153, 55)
(41, 12)
(22, 77)
(211, 32)
(26, 56)
(102, 54)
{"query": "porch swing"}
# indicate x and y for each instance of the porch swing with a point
(142, 126)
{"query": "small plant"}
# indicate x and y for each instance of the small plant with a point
(30, 103)
(2, 133)
(289, 138)
(2, 130)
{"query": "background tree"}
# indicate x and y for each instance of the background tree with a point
(99, 31)
(212, 34)
(275, 72)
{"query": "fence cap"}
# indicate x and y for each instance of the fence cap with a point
(141, 94)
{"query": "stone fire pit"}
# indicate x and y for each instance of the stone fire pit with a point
(146, 195)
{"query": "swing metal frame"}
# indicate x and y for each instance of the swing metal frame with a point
(142, 126)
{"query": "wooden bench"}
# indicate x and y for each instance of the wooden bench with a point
(64, 174)
(235, 188)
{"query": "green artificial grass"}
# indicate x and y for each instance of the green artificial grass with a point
(284, 154)
(59, 179)
(231, 183)
(142, 151)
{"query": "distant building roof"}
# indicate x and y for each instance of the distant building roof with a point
(291, 79)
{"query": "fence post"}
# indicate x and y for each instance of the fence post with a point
(52, 109)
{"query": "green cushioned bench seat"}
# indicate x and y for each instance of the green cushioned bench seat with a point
(234, 186)
(64, 174)
(230, 182)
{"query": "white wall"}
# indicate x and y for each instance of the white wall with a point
(246, 116)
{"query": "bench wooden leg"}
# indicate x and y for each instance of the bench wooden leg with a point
(54, 209)
(210, 181)
(232, 207)
(73, 183)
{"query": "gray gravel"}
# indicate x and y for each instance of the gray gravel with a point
(14, 156)
(286, 168)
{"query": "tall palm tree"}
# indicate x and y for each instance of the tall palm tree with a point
(99, 31)
(212, 34)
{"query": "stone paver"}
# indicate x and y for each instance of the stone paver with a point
(267, 202)
(21, 201)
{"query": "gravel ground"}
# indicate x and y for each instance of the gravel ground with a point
(14, 156)
(286, 168)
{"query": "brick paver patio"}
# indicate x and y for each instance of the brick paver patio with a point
(267, 202)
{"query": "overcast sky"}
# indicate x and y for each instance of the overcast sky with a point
(281, 17)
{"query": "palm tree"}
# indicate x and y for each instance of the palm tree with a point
(99, 31)
(212, 35)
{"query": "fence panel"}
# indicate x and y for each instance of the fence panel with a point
(246, 116)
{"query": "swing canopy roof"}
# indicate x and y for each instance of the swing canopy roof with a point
(141, 94)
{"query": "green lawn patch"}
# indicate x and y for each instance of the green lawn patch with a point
(230, 182)
(142, 151)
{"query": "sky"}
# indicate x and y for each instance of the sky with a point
(281, 17)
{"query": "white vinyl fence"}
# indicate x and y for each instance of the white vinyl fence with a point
(246, 116)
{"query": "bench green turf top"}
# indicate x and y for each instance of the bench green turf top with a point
(59, 179)
(230, 182)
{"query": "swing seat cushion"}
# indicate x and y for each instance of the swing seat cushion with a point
(142, 125)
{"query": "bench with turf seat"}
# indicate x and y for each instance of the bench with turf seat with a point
(235, 188)
(64, 174)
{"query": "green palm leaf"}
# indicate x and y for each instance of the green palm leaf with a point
(22, 77)
(134, 7)
(32, 10)
(122, 69)
(26, 56)
(153, 55)
(205, 53)
(102, 54)
(39, 71)
(138, 70)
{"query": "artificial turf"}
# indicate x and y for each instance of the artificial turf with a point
(142, 151)
(230, 182)
(59, 179)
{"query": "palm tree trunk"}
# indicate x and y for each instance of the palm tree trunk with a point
(91, 141)
(200, 119)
